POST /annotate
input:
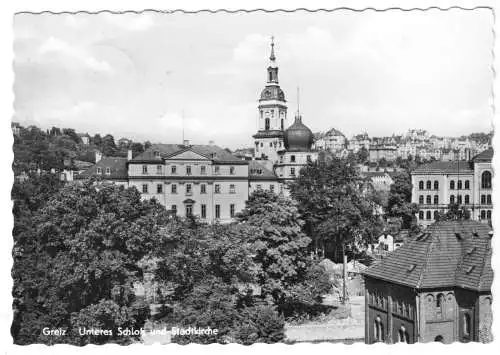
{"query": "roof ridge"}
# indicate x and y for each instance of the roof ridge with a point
(424, 266)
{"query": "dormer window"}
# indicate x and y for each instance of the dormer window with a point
(213, 155)
(144, 169)
(231, 170)
(217, 169)
(157, 154)
(99, 170)
(108, 171)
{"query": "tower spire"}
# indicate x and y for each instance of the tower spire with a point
(272, 57)
(297, 116)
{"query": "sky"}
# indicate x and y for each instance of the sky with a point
(137, 75)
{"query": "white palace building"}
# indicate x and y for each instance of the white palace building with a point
(206, 180)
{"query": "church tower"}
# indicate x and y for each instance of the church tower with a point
(268, 140)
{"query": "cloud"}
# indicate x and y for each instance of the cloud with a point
(55, 45)
(252, 48)
(131, 22)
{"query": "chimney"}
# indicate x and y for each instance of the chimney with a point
(129, 154)
(98, 157)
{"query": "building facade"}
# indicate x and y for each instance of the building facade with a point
(436, 287)
(468, 183)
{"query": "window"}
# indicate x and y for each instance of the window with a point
(232, 189)
(428, 215)
(308, 158)
(488, 199)
(436, 215)
(483, 199)
(261, 144)
(231, 170)
(483, 214)
(452, 185)
(467, 199)
(267, 124)
(420, 185)
(203, 170)
(216, 169)
(459, 199)
(428, 199)
(467, 184)
(292, 158)
(174, 169)
(436, 185)
(428, 184)
(486, 180)
(189, 189)
(271, 144)
(203, 211)
(231, 210)
(403, 336)
(174, 209)
(203, 189)
(378, 329)
(144, 188)
(271, 188)
(292, 171)
(159, 188)
(174, 189)
(488, 214)
(421, 215)
(217, 211)
(459, 184)
(421, 199)
(188, 169)
(440, 303)
(467, 324)
(189, 210)
(436, 199)
(159, 169)
(144, 169)
(99, 170)
(282, 124)
(259, 187)
(452, 199)
(108, 171)
(217, 188)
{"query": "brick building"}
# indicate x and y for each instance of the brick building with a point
(436, 287)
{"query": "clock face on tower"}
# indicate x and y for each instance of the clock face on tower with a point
(267, 93)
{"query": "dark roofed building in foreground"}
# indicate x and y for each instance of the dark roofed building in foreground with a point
(436, 287)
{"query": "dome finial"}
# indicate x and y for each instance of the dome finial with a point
(297, 116)
(272, 57)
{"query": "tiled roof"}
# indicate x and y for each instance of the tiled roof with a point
(118, 169)
(484, 156)
(258, 171)
(167, 150)
(446, 167)
(447, 254)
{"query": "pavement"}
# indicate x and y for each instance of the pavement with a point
(333, 330)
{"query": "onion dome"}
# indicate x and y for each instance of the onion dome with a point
(272, 92)
(298, 137)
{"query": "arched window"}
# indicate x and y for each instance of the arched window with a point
(428, 199)
(452, 185)
(488, 214)
(428, 185)
(436, 215)
(439, 338)
(459, 199)
(467, 184)
(403, 336)
(488, 199)
(421, 199)
(483, 214)
(420, 185)
(459, 184)
(483, 199)
(428, 215)
(436, 199)
(268, 123)
(282, 124)
(436, 185)
(467, 324)
(378, 329)
(467, 199)
(440, 304)
(486, 180)
(420, 215)
(452, 199)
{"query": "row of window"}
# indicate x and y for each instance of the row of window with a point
(485, 199)
(107, 171)
(203, 210)
(379, 335)
(428, 215)
(188, 171)
(485, 183)
(188, 189)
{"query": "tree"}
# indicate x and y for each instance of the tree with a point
(72, 135)
(137, 148)
(108, 145)
(97, 140)
(399, 202)
(76, 262)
